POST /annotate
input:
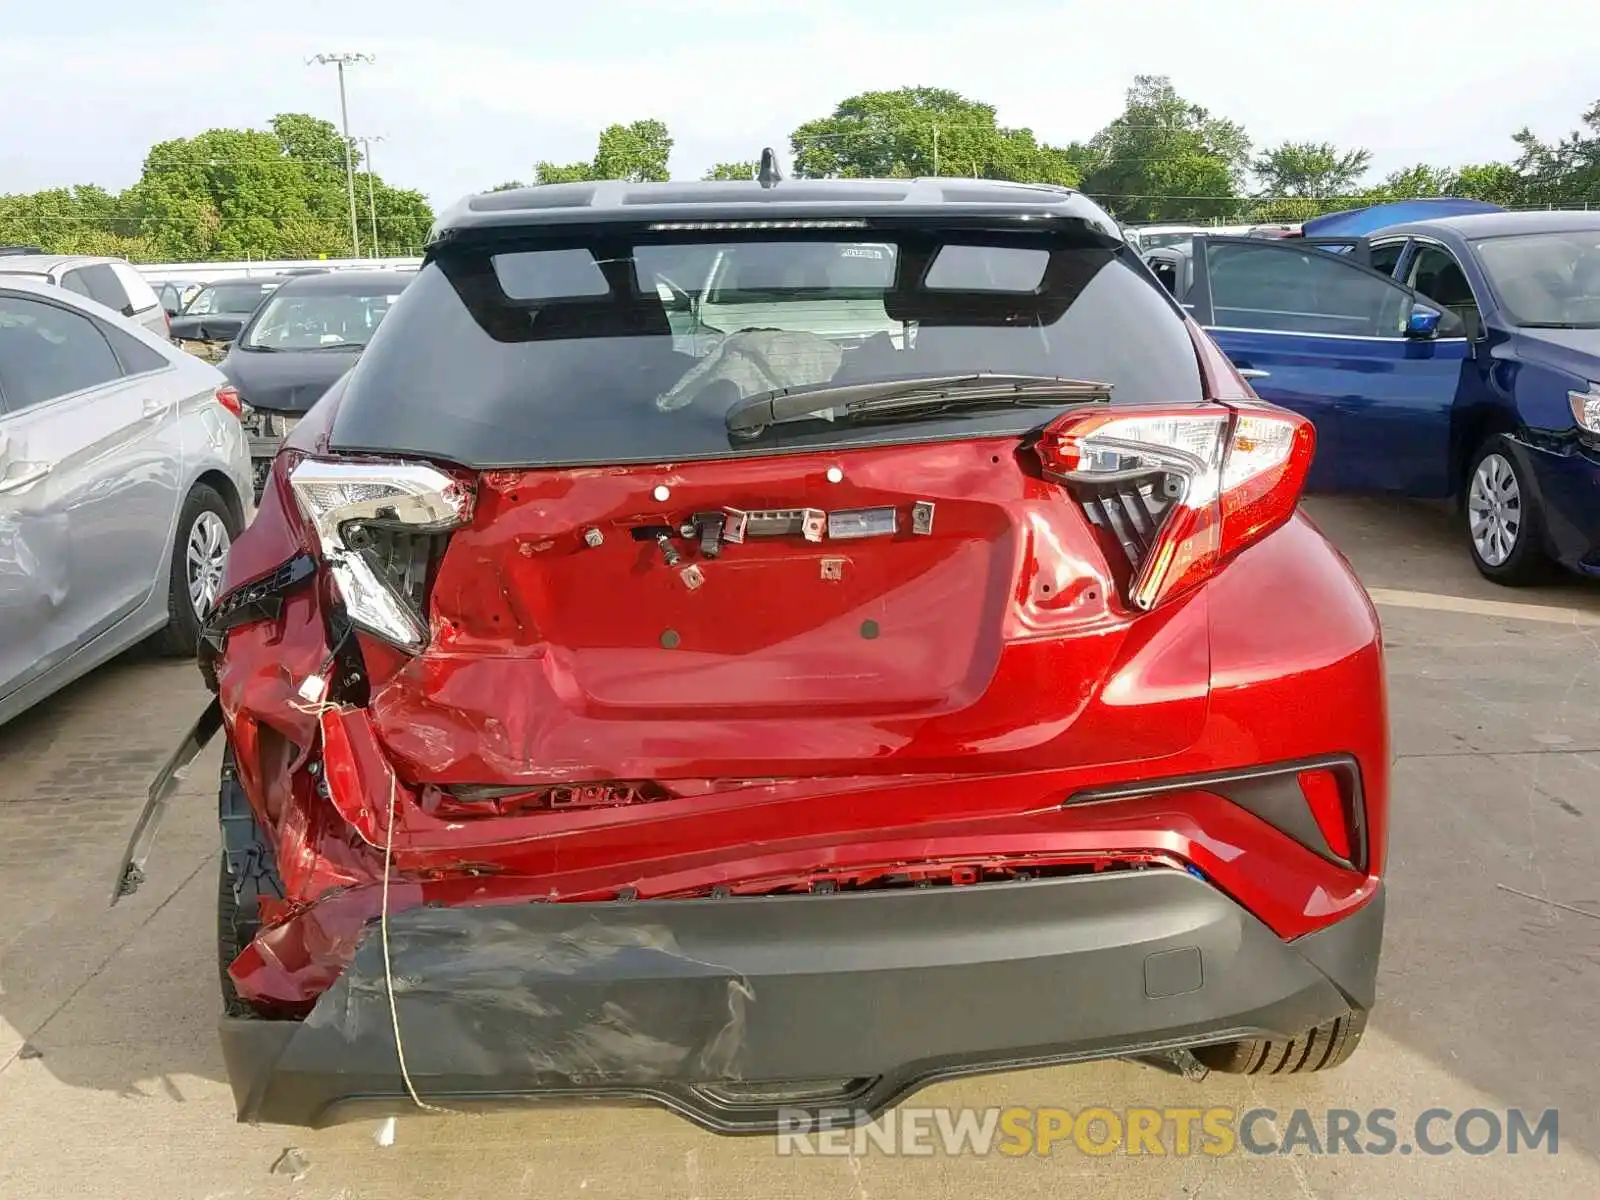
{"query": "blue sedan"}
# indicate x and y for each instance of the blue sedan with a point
(1449, 358)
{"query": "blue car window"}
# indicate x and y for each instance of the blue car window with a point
(1272, 287)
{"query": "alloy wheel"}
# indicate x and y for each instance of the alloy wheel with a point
(207, 559)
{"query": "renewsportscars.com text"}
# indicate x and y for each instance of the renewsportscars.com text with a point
(1097, 1131)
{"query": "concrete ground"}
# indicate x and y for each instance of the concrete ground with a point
(111, 1083)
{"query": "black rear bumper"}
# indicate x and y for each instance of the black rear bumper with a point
(729, 1011)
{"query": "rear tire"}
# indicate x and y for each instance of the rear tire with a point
(239, 895)
(204, 518)
(1319, 1049)
(1501, 518)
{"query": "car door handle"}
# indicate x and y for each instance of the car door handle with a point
(155, 408)
(30, 474)
(1253, 373)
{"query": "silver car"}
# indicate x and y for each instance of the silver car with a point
(124, 478)
(109, 281)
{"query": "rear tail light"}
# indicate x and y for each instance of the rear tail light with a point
(228, 397)
(1178, 491)
(381, 528)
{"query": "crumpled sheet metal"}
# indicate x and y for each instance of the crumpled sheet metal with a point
(534, 991)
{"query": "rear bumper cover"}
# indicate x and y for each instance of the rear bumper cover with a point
(704, 1005)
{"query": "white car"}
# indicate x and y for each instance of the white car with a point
(124, 478)
(110, 281)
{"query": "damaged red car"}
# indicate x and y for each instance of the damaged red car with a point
(763, 647)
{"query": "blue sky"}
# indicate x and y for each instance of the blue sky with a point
(475, 91)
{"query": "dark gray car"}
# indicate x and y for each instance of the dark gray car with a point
(220, 309)
(298, 343)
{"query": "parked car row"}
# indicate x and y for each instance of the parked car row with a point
(1453, 358)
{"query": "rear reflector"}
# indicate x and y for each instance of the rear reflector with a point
(1326, 800)
(1182, 489)
(228, 397)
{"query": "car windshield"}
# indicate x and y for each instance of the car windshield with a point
(232, 299)
(1546, 279)
(1154, 241)
(619, 352)
(318, 320)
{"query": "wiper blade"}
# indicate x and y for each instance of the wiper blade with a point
(905, 397)
(339, 346)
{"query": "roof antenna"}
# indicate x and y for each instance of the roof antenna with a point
(770, 172)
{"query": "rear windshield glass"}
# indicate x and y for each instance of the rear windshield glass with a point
(634, 350)
(232, 299)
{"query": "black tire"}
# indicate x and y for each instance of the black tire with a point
(1319, 1049)
(1527, 562)
(254, 874)
(180, 638)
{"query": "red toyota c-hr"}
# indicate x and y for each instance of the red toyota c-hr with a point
(767, 646)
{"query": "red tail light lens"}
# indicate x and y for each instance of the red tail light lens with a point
(1328, 805)
(228, 397)
(1181, 489)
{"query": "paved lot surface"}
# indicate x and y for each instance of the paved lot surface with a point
(1488, 999)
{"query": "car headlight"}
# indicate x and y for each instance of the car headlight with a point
(1586, 408)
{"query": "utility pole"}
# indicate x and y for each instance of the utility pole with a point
(936, 149)
(341, 61)
(372, 203)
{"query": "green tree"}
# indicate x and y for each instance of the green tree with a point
(548, 172)
(1497, 183)
(733, 170)
(1564, 173)
(403, 218)
(921, 131)
(1165, 159)
(1310, 169)
(637, 153)
(58, 220)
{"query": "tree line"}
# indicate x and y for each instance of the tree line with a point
(227, 194)
(280, 192)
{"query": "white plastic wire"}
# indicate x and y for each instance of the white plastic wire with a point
(388, 969)
(317, 710)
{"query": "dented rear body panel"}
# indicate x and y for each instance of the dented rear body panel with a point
(697, 765)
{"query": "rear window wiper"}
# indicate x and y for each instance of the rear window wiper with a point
(905, 397)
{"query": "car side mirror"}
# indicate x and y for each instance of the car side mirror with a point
(1423, 323)
(128, 309)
